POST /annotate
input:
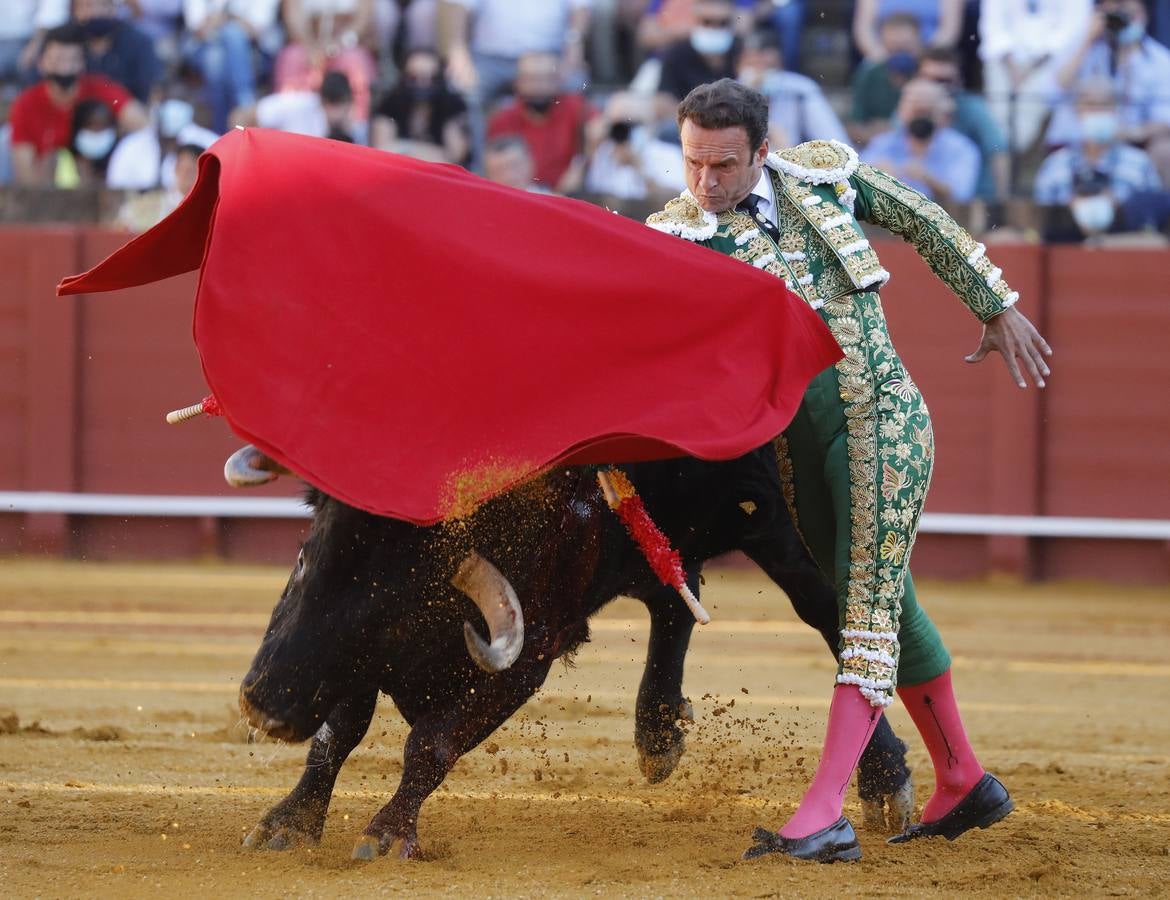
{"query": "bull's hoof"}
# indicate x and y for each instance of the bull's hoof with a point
(291, 823)
(891, 813)
(661, 746)
(657, 767)
(279, 838)
(369, 847)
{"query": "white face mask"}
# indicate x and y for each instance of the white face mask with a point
(1094, 214)
(96, 144)
(1098, 127)
(711, 41)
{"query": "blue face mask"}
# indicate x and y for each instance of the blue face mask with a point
(1131, 33)
(1098, 127)
(712, 41)
(1094, 214)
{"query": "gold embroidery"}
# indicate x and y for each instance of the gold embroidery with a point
(945, 246)
(817, 157)
(684, 217)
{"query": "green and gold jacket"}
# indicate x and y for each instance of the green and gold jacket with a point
(822, 192)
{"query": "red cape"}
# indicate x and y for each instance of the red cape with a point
(412, 339)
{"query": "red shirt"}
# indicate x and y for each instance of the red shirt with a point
(37, 120)
(553, 140)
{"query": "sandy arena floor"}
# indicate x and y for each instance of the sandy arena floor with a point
(124, 772)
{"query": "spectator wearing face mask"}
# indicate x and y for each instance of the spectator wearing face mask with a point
(798, 110)
(42, 116)
(1023, 44)
(90, 146)
(1117, 48)
(923, 151)
(145, 160)
(666, 22)
(972, 118)
(421, 116)
(877, 84)
(939, 23)
(708, 53)
(488, 38)
(1098, 173)
(552, 122)
(117, 49)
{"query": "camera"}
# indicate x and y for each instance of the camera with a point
(1116, 21)
(619, 132)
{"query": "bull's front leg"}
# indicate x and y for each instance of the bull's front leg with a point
(300, 817)
(434, 745)
(661, 704)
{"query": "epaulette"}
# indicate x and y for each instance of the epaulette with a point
(817, 162)
(685, 218)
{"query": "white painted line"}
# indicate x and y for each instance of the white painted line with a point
(153, 505)
(294, 508)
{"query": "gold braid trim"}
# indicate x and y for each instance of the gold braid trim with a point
(952, 254)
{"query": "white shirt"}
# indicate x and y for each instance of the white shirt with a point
(299, 112)
(511, 28)
(260, 14)
(763, 190)
(1026, 30)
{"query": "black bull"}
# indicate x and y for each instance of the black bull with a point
(369, 607)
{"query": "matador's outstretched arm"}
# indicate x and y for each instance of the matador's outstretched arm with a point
(962, 263)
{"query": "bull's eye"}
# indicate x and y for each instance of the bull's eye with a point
(299, 571)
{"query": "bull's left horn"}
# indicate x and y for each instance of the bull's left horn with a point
(248, 467)
(493, 595)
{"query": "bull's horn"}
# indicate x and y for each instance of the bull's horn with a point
(248, 467)
(491, 592)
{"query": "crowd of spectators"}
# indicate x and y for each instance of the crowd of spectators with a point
(976, 103)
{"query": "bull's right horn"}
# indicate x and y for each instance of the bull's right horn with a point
(493, 595)
(248, 467)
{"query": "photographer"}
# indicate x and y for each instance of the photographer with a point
(1118, 49)
(631, 162)
(1082, 187)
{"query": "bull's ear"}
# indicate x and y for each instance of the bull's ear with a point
(313, 498)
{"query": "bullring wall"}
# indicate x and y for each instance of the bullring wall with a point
(84, 383)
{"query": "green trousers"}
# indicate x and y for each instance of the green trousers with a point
(856, 464)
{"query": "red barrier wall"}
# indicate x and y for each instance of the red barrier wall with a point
(84, 384)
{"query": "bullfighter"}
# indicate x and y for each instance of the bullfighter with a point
(856, 461)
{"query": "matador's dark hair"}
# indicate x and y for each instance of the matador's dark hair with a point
(725, 104)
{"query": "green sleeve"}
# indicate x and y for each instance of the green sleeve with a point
(952, 254)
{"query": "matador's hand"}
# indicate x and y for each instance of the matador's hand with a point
(1016, 339)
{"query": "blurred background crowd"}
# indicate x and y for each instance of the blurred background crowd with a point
(1030, 119)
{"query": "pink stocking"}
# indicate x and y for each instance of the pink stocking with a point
(851, 724)
(935, 713)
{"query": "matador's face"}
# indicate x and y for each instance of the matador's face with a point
(721, 168)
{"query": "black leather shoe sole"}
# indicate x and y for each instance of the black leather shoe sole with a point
(986, 803)
(837, 843)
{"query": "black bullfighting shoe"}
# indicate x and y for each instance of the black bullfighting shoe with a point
(837, 843)
(984, 805)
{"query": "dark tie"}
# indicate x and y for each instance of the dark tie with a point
(751, 205)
